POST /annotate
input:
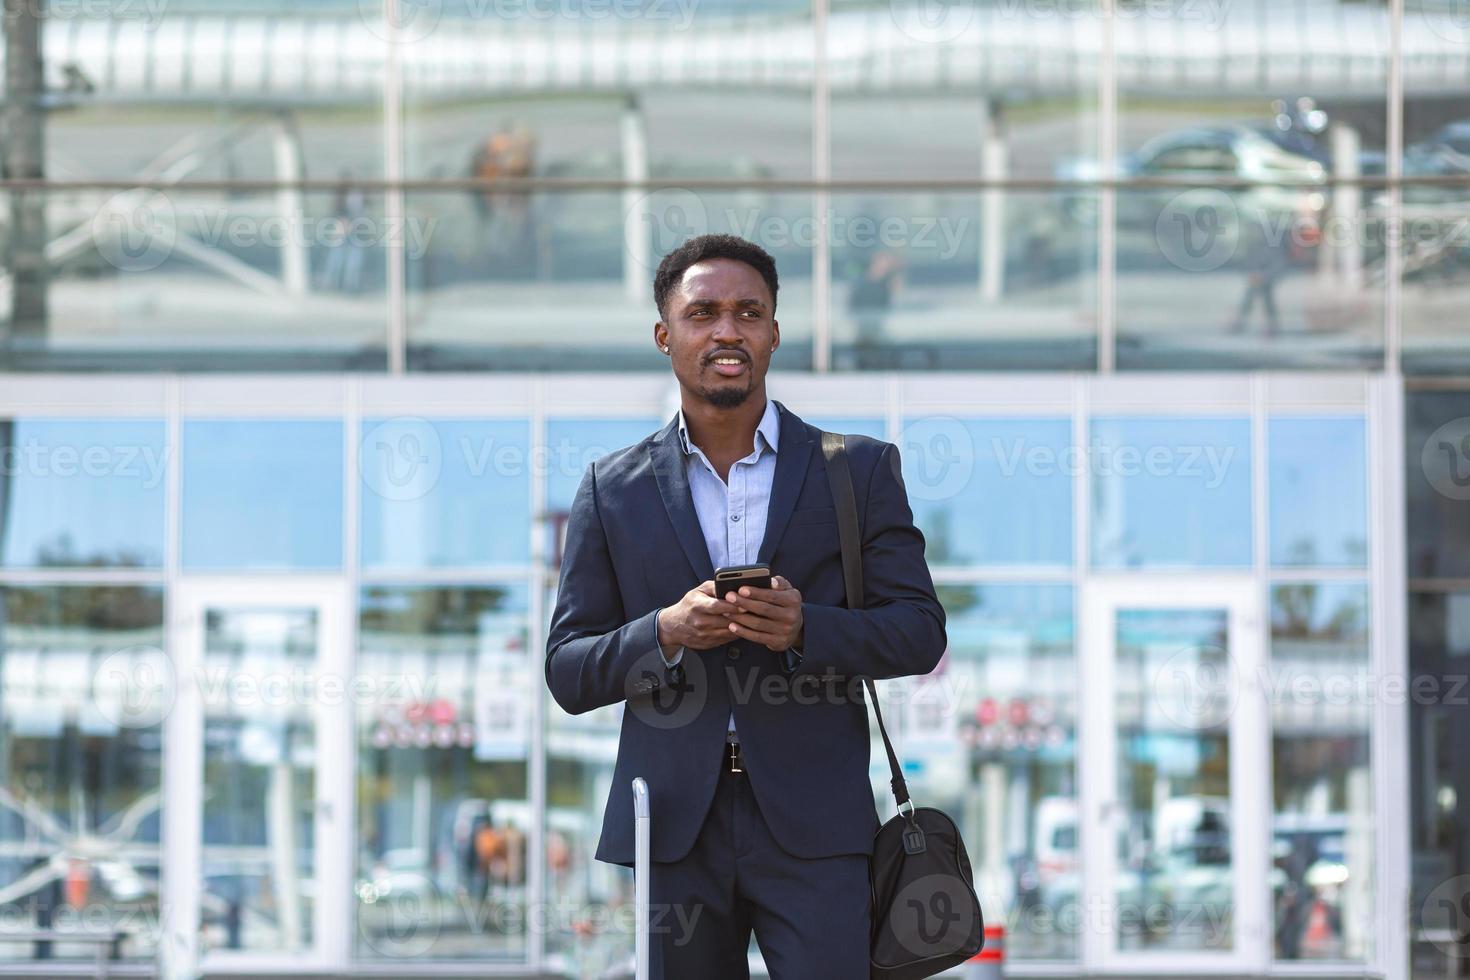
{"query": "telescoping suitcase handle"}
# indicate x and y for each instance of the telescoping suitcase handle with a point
(641, 821)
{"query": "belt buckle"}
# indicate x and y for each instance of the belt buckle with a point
(733, 760)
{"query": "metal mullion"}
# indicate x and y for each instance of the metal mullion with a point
(394, 199)
(536, 756)
(821, 200)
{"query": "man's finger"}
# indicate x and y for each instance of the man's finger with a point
(758, 606)
(759, 636)
(710, 604)
(761, 623)
(779, 597)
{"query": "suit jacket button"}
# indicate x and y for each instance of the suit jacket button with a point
(732, 651)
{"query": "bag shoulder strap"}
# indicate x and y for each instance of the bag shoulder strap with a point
(839, 478)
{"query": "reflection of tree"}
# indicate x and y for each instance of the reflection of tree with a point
(100, 607)
(1303, 551)
(1296, 608)
(1294, 605)
(939, 543)
(60, 552)
(959, 599)
(431, 611)
(23, 157)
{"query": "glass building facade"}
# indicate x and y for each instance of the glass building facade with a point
(313, 314)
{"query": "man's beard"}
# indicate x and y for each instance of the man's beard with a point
(726, 397)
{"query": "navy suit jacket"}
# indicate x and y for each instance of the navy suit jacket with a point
(634, 545)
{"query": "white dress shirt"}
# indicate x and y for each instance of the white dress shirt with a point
(732, 514)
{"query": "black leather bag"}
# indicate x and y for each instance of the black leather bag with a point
(925, 914)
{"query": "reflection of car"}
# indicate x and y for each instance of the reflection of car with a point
(1204, 156)
(1436, 250)
(402, 871)
(1450, 145)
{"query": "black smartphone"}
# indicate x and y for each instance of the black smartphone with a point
(731, 577)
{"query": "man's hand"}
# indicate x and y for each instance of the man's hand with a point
(698, 621)
(771, 617)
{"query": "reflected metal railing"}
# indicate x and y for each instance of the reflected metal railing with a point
(1042, 48)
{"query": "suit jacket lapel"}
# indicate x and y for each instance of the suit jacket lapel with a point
(792, 456)
(673, 487)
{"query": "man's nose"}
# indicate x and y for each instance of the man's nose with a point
(726, 328)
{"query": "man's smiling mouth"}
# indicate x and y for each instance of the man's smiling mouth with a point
(729, 365)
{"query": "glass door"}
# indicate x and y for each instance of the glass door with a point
(1176, 815)
(258, 827)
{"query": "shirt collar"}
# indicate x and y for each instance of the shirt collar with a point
(768, 429)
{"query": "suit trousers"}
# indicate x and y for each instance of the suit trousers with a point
(810, 915)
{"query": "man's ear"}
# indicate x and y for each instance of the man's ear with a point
(660, 335)
(775, 335)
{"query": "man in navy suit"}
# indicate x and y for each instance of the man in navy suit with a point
(745, 713)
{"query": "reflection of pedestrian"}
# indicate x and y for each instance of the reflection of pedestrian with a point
(343, 268)
(505, 216)
(872, 296)
(1295, 904)
(1270, 252)
(488, 845)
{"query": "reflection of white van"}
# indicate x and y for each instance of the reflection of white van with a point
(1056, 835)
(1055, 849)
(1194, 830)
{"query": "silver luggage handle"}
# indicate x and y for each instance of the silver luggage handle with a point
(641, 821)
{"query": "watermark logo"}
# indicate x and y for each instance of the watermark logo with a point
(663, 698)
(939, 457)
(1446, 916)
(1197, 687)
(664, 219)
(1198, 230)
(135, 231)
(1445, 459)
(1449, 19)
(933, 21)
(401, 21)
(135, 687)
(150, 12)
(933, 914)
(400, 918)
(401, 459)
(36, 459)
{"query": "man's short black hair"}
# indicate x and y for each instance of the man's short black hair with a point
(671, 270)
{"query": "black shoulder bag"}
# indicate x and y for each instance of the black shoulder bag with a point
(925, 915)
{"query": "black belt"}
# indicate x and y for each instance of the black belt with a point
(733, 761)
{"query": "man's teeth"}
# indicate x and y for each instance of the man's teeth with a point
(728, 360)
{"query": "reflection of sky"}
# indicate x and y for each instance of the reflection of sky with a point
(1318, 491)
(572, 445)
(1015, 641)
(1171, 492)
(83, 492)
(1043, 612)
(475, 511)
(1015, 505)
(262, 493)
